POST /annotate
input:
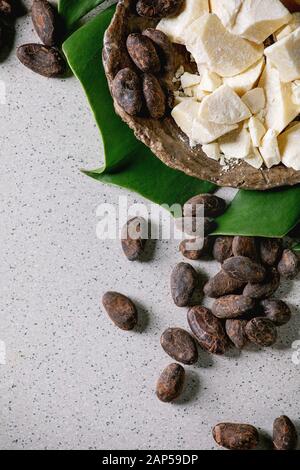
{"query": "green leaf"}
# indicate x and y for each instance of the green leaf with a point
(261, 214)
(296, 248)
(73, 10)
(128, 162)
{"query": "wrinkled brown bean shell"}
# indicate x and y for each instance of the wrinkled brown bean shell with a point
(261, 331)
(45, 21)
(207, 329)
(133, 247)
(285, 435)
(222, 248)
(288, 266)
(222, 284)
(232, 306)
(154, 96)
(244, 269)
(127, 90)
(270, 250)
(170, 383)
(213, 206)
(163, 46)
(143, 53)
(44, 60)
(179, 345)
(120, 309)
(277, 311)
(235, 330)
(245, 246)
(159, 8)
(236, 436)
(264, 289)
(204, 249)
(184, 280)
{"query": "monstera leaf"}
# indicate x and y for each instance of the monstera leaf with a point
(131, 165)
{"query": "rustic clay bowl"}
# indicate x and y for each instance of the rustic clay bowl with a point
(164, 137)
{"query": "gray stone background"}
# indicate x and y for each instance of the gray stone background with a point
(71, 379)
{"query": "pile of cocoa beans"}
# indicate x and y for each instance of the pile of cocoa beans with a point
(243, 310)
(45, 59)
(140, 89)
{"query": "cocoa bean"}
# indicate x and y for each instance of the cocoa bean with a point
(196, 226)
(179, 345)
(158, 8)
(245, 246)
(207, 329)
(154, 96)
(164, 48)
(261, 331)
(170, 383)
(133, 238)
(184, 280)
(222, 284)
(244, 269)
(127, 91)
(236, 436)
(45, 21)
(277, 311)
(44, 60)
(232, 306)
(143, 53)
(235, 330)
(222, 248)
(288, 266)
(196, 248)
(285, 435)
(270, 250)
(265, 289)
(212, 205)
(120, 309)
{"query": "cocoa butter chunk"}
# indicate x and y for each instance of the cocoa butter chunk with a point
(184, 280)
(245, 246)
(207, 329)
(158, 8)
(45, 21)
(179, 345)
(277, 311)
(212, 205)
(163, 46)
(222, 284)
(132, 238)
(120, 309)
(244, 269)
(222, 248)
(264, 289)
(236, 331)
(127, 91)
(234, 436)
(232, 306)
(261, 331)
(196, 248)
(289, 266)
(270, 250)
(285, 435)
(44, 60)
(154, 96)
(170, 383)
(143, 53)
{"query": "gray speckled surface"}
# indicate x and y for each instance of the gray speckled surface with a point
(71, 379)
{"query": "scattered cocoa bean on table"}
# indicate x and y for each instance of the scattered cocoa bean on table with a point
(232, 306)
(121, 310)
(133, 243)
(236, 436)
(179, 345)
(261, 331)
(236, 331)
(244, 269)
(222, 284)
(264, 289)
(196, 248)
(170, 383)
(245, 246)
(45, 21)
(285, 435)
(184, 281)
(289, 266)
(270, 250)
(277, 311)
(222, 249)
(44, 60)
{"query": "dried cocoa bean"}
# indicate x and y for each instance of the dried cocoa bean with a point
(184, 280)
(222, 248)
(6, 7)
(207, 329)
(179, 345)
(133, 238)
(44, 60)
(270, 250)
(265, 289)
(45, 21)
(285, 435)
(245, 246)
(236, 436)
(277, 311)
(158, 8)
(212, 205)
(163, 46)
(196, 248)
(235, 330)
(120, 309)
(232, 306)
(170, 383)
(154, 96)
(261, 331)
(127, 91)
(288, 266)
(244, 269)
(196, 226)
(222, 284)
(143, 53)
